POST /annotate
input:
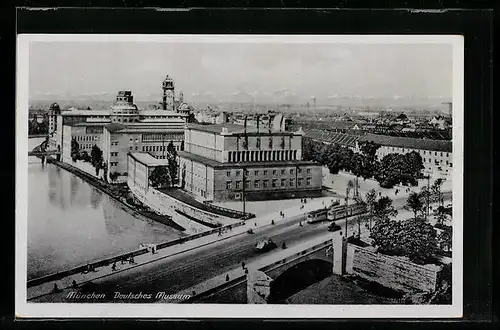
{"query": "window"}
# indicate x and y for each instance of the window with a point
(308, 181)
(256, 184)
(136, 148)
(238, 184)
(132, 148)
(247, 183)
(299, 182)
(265, 172)
(291, 171)
(441, 154)
(274, 182)
(237, 173)
(291, 182)
(447, 162)
(266, 183)
(299, 170)
(308, 170)
(228, 173)
(282, 172)
(282, 182)
(435, 153)
(274, 172)
(256, 172)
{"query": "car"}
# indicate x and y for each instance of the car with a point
(333, 227)
(265, 245)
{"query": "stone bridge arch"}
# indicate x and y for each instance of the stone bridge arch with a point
(297, 277)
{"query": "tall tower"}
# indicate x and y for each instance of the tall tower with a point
(168, 93)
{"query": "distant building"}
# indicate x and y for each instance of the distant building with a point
(122, 129)
(226, 163)
(439, 122)
(437, 156)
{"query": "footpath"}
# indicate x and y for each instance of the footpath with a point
(74, 281)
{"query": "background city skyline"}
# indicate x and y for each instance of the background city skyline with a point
(243, 72)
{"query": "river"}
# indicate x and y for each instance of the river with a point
(71, 223)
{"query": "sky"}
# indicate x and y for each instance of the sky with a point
(241, 71)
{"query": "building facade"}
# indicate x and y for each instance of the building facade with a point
(153, 138)
(226, 162)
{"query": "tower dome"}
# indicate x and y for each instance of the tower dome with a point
(124, 110)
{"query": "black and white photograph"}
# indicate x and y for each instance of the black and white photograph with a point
(239, 175)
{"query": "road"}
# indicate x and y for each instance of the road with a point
(175, 273)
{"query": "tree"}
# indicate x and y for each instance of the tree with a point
(386, 235)
(173, 167)
(160, 177)
(419, 240)
(414, 203)
(436, 194)
(113, 176)
(413, 238)
(383, 208)
(96, 157)
(371, 199)
(75, 148)
(413, 166)
(310, 149)
(445, 238)
(369, 149)
(357, 164)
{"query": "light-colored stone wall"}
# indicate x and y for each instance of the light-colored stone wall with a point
(392, 272)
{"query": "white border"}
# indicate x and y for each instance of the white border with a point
(182, 311)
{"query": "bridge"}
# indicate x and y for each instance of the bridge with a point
(271, 278)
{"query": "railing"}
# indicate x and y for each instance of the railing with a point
(294, 256)
(43, 153)
(243, 215)
(125, 256)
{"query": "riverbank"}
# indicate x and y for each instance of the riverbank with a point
(114, 193)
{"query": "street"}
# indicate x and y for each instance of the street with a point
(175, 273)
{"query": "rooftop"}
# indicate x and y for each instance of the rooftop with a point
(147, 159)
(233, 129)
(411, 143)
(216, 164)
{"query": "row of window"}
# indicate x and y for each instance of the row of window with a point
(86, 145)
(113, 164)
(265, 172)
(424, 152)
(265, 183)
(261, 155)
(162, 137)
(114, 153)
(437, 162)
(86, 138)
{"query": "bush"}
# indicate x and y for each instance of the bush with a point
(414, 238)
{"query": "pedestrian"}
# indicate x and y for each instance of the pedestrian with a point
(300, 224)
(113, 268)
(246, 270)
(122, 261)
(74, 284)
(131, 260)
(230, 228)
(227, 277)
(283, 246)
(255, 224)
(243, 264)
(220, 232)
(272, 222)
(56, 288)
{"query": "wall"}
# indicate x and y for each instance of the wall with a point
(390, 271)
(199, 178)
(164, 204)
(260, 174)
